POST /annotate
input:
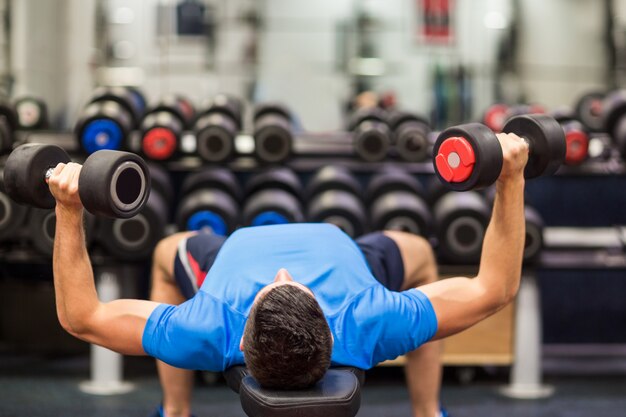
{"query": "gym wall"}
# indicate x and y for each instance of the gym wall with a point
(562, 52)
(292, 48)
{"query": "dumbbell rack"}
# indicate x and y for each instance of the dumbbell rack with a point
(312, 150)
(316, 150)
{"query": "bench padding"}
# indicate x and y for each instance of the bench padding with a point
(338, 394)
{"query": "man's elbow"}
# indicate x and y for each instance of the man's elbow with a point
(498, 298)
(63, 319)
(71, 329)
(505, 297)
(79, 327)
(511, 293)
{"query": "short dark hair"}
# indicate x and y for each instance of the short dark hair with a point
(287, 342)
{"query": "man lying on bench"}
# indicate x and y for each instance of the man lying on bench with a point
(290, 300)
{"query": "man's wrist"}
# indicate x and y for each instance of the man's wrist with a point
(515, 182)
(69, 213)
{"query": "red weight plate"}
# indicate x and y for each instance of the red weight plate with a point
(455, 159)
(159, 143)
(577, 145)
(496, 116)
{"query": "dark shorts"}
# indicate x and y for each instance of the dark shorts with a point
(197, 253)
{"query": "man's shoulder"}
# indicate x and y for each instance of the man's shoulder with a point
(292, 233)
(376, 300)
(286, 228)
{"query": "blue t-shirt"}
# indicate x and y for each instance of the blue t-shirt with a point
(369, 323)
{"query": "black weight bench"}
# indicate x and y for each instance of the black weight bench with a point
(337, 394)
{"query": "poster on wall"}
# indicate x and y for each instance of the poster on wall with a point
(435, 21)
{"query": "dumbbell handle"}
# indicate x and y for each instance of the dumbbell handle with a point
(525, 139)
(528, 142)
(49, 173)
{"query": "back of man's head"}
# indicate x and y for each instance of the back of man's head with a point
(287, 343)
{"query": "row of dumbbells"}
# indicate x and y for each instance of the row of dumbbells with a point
(113, 114)
(214, 200)
(391, 200)
(115, 184)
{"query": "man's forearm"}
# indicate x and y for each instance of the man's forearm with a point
(503, 246)
(75, 290)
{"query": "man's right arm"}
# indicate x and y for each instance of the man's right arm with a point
(117, 325)
(462, 302)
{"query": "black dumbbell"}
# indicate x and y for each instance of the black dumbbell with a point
(410, 133)
(534, 228)
(162, 185)
(334, 196)
(32, 113)
(496, 116)
(461, 222)
(110, 116)
(534, 235)
(396, 202)
(163, 125)
(41, 228)
(111, 183)
(139, 100)
(614, 117)
(576, 137)
(210, 201)
(136, 237)
(371, 134)
(470, 156)
(131, 98)
(41, 225)
(12, 215)
(525, 109)
(217, 126)
(589, 110)
(273, 132)
(273, 197)
(8, 125)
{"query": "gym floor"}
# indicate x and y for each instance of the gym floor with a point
(46, 387)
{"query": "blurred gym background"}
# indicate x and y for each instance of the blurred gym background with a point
(449, 61)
